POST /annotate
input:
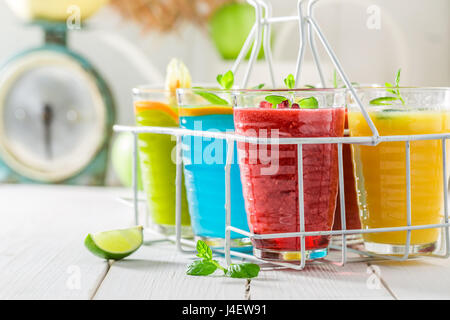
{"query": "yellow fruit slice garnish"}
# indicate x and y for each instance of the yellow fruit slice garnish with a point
(177, 75)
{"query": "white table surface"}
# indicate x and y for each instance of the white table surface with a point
(42, 256)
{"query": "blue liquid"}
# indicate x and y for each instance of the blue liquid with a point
(204, 170)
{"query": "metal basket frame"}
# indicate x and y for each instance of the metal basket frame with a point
(307, 27)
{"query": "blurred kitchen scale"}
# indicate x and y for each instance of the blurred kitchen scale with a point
(56, 111)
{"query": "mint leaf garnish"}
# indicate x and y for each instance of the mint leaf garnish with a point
(397, 77)
(390, 88)
(226, 80)
(308, 103)
(383, 101)
(210, 97)
(275, 100)
(201, 268)
(337, 83)
(390, 85)
(309, 86)
(243, 270)
(207, 265)
(335, 80)
(397, 83)
(289, 81)
(259, 86)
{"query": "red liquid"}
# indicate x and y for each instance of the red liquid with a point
(352, 220)
(272, 200)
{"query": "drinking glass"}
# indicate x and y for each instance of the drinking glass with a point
(204, 166)
(269, 172)
(157, 107)
(380, 170)
(352, 220)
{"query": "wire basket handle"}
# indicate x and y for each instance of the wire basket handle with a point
(260, 36)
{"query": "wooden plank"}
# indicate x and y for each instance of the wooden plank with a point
(427, 278)
(158, 272)
(355, 280)
(42, 255)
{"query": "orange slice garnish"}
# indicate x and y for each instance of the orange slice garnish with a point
(154, 105)
(202, 111)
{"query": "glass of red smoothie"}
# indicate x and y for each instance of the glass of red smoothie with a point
(269, 173)
(352, 220)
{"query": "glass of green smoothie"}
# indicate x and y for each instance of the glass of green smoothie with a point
(158, 107)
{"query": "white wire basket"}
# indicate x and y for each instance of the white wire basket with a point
(308, 28)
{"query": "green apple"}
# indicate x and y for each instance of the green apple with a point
(229, 27)
(122, 159)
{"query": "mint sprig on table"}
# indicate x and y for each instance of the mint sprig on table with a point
(305, 103)
(207, 265)
(243, 270)
(393, 89)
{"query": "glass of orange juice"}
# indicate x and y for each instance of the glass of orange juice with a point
(380, 171)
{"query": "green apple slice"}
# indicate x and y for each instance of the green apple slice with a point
(115, 244)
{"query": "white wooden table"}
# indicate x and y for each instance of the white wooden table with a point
(42, 256)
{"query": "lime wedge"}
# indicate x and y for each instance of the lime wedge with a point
(115, 244)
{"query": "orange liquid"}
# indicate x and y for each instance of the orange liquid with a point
(380, 173)
(202, 111)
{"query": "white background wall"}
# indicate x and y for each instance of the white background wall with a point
(414, 35)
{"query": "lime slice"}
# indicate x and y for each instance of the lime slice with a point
(115, 244)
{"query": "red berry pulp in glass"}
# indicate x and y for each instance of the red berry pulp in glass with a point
(265, 104)
(352, 220)
(283, 105)
(272, 199)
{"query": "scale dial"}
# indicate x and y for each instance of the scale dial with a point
(52, 116)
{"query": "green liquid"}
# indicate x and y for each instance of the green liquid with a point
(158, 170)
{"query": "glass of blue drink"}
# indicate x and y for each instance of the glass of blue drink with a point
(204, 162)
